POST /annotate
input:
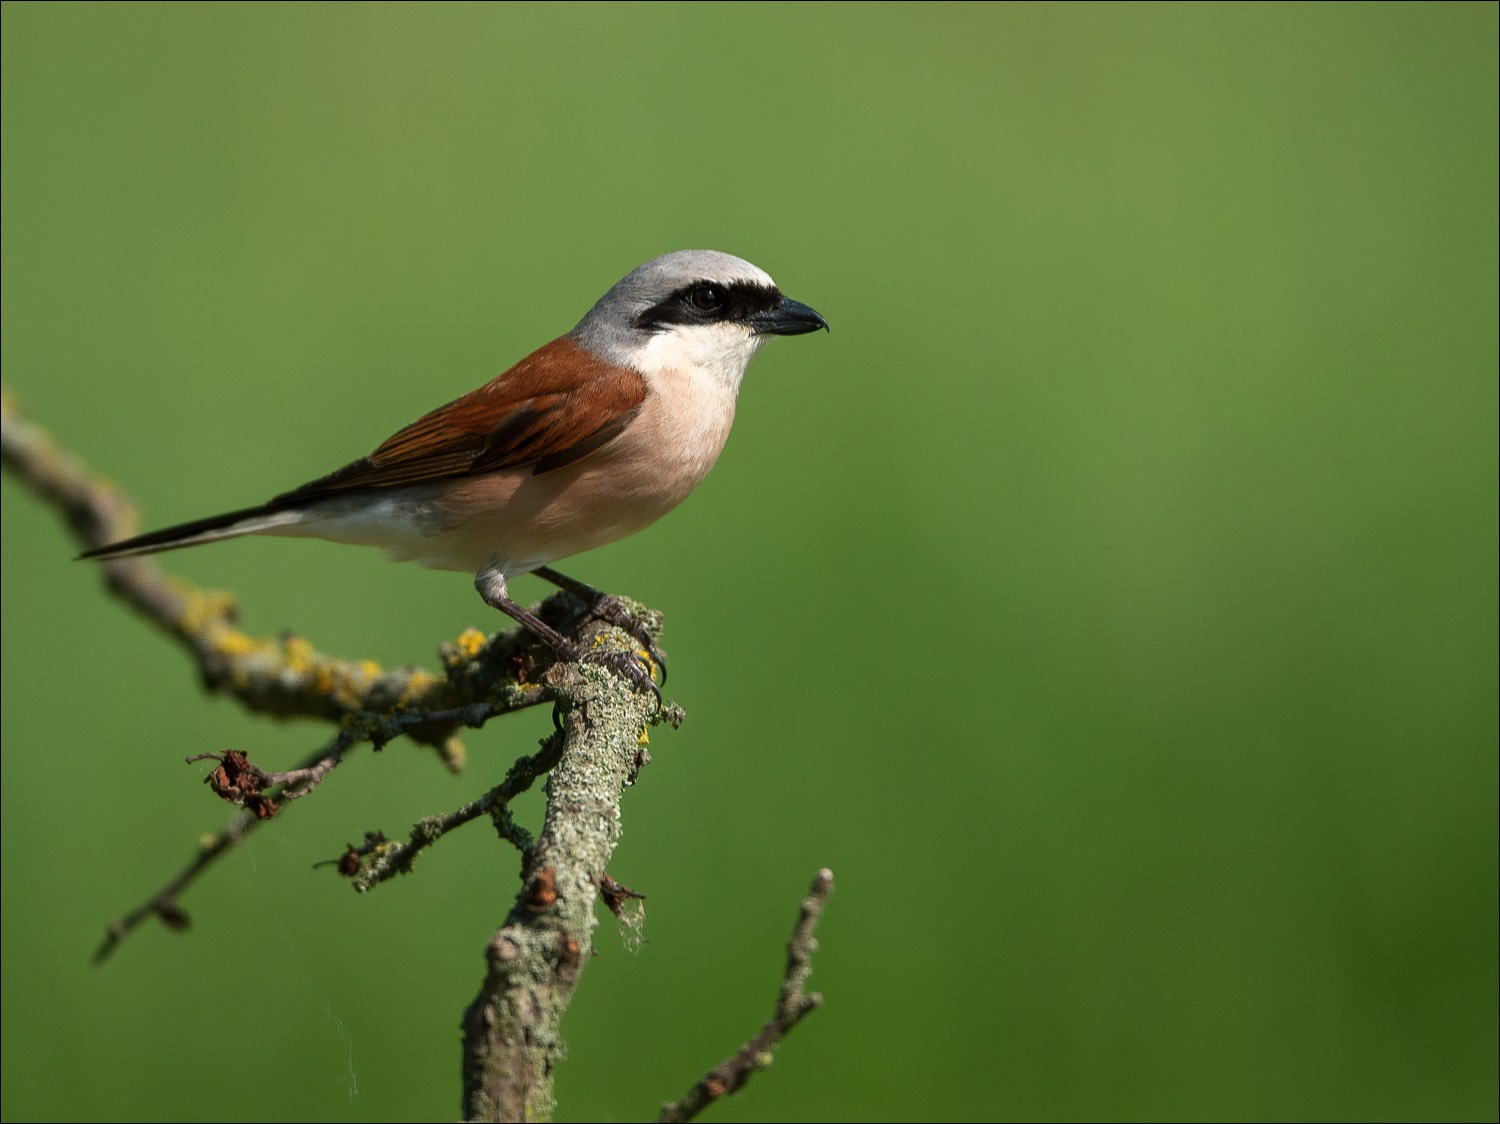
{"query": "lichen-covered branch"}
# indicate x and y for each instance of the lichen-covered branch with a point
(284, 676)
(511, 1037)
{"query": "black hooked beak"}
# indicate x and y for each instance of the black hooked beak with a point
(787, 318)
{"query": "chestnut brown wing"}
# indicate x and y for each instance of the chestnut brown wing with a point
(555, 407)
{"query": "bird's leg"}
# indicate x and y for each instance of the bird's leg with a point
(607, 608)
(491, 587)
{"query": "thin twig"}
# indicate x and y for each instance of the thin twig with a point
(163, 903)
(259, 796)
(792, 1006)
(393, 858)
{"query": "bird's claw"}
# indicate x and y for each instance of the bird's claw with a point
(612, 611)
(635, 666)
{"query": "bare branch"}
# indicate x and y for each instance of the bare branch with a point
(792, 1006)
(258, 792)
(163, 904)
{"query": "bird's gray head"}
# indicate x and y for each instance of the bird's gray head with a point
(693, 308)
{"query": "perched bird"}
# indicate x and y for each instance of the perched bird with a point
(588, 439)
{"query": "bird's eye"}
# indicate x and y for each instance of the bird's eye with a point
(706, 298)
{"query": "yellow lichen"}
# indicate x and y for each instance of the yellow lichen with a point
(233, 642)
(200, 608)
(470, 643)
(418, 683)
(453, 755)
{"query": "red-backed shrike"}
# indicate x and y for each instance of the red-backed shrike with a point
(591, 438)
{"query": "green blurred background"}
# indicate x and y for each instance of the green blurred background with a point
(1110, 600)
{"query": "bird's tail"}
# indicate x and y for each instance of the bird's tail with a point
(230, 525)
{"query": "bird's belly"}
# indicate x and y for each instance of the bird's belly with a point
(514, 521)
(558, 514)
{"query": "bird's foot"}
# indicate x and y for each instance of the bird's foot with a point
(635, 666)
(639, 667)
(611, 610)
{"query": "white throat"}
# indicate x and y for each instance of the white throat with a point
(719, 351)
